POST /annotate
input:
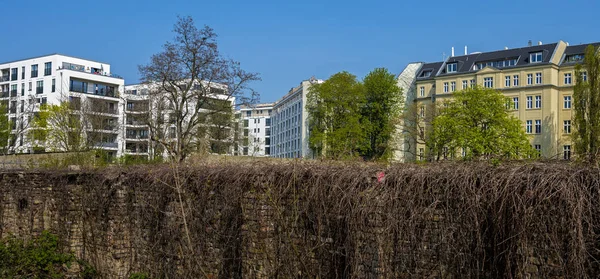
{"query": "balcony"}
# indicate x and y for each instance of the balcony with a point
(4, 94)
(141, 137)
(107, 145)
(13, 93)
(4, 78)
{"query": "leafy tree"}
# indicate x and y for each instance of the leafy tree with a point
(477, 122)
(334, 107)
(586, 97)
(383, 103)
(184, 78)
(5, 128)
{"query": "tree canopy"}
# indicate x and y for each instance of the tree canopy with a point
(186, 77)
(477, 123)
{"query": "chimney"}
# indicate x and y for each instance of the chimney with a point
(539, 43)
(567, 43)
(452, 52)
(505, 48)
(466, 50)
(529, 43)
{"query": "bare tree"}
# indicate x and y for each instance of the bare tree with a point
(187, 78)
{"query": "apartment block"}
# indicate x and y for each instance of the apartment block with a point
(51, 79)
(255, 131)
(289, 131)
(143, 103)
(538, 79)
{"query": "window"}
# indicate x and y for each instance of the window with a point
(13, 90)
(568, 78)
(529, 103)
(567, 152)
(529, 79)
(268, 122)
(528, 126)
(464, 84)
(445, 87)
(421, 154)
(426, 73)
(453, 86)
(507, 81)
(23, 72)
(473, 83)
(538, 78)
(422, 91)
(53, 85)
(34, 71)
(584, 76)
(249, 113)
(488, 82)
(538, 102)
(79, 86)
(516, 80)
(30, 86)
(538, 126)
(538, 148)
(567, 102)
(451, 68)
(422, 111)
(567, 126)
(535, 57)
(22, 89)
(39, 89)
(47, 68)
(516, 103)
(14, 74)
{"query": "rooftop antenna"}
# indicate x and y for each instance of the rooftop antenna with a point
(529, 43)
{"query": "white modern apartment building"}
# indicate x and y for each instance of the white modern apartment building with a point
(51, 79)
(142, 103)
(289, 123)
(256, 133)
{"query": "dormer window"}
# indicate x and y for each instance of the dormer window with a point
(574, 58)
(535, 57)
(451, 68)
(426, 73)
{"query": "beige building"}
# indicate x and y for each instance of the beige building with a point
(539, 79)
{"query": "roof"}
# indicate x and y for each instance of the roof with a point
(52, 54)
(466, 63)
(574, 50)
(432, 67)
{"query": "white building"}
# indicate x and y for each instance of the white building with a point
(53, 79)
(140, 101)
(289, 123)
(256, 133)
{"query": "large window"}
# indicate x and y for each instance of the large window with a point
(538, 148)
(535, 57)
(78, 86)
(567, 102)
(451, 68)
(445, 87)
(23, 72)
(47, 68)
(538, 101)
(538, 78)
(516, 103)
(529, 79)
(528, 126)
(39, 89)
(34, 71)
(568, 78)
(14, 73)
(507, 81)
(488, 82)
(529, 103)
(567, 126)
(538, 126)
(465, 84)
(453, 86)
(516, 80)
(422, 91)
(567, 152)
(53, 85)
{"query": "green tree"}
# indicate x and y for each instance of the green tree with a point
(586, 97)
(5, 128)
(477, 122)
(382, 109)
(334, 108)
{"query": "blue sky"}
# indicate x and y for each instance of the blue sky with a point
(288, 41)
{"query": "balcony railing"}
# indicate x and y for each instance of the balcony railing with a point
(4, 94)
(4, 78)
(107, 145)
(136, 136)
(13, 93)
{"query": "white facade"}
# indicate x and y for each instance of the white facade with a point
(290, 132)
(256, 131)
(55, 78)
(138, 103)
(404, 143)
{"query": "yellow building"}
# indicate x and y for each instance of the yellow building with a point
(538, 78)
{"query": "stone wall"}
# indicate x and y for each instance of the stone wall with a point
(307, 220)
